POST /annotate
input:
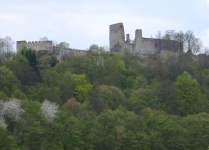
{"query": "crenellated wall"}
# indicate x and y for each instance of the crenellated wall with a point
(47, 45)
(141, 46)
(35, 45)
(69, 51)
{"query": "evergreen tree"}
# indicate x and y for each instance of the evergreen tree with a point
(26, 55)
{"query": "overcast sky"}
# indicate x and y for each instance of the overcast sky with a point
(83, 23)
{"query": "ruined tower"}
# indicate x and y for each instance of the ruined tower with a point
(117, 38)
(140, 45)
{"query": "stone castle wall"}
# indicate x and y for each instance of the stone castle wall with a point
(47, 45)
(35, 45)
(69, 51)
(142, 46)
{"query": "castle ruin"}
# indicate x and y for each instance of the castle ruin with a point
(141, 46)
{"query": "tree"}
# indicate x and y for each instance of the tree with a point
(111, 95)
(27, 74)
(189, 93)
(98, 105)
(177, 64)
(206, 50)
(106, 96)
(1, 48)
(2, 122)
(7, 141)
(65, 86)
(82, 87)
(30, 55)
(51, 78)
(53, 61)
(11, 109)
(49, 109)
(197, 46)
(189, 38)
(139, 82)
(44, 38)
(180, 37)
(63, 45)
(159, 35)
(9, 82)
(169, 38)
(193, 45)
(54, 43)
(8, 46)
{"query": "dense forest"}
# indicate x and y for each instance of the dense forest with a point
(104, 101)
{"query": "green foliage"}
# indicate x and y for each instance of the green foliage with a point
(51, 78)
(112, 96)
(53, 61)
(134, 103)
(63, 45)
(43, 52)
(61, 67)
(189, 93)
(19, 95)
(7, 141)
(129, 82)
(139, 82)
(30, 55)
(3, 95)
(82, 89)
(17, 63)
(9, 82)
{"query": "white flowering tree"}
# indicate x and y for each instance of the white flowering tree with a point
(49, 109)
(10, 109)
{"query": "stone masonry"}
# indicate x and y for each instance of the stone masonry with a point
(141, 46)
(37, 45)
(47, 45)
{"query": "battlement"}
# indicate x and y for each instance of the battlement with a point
(33, 42)
(47, 45)
(35, 45)
(69, 51)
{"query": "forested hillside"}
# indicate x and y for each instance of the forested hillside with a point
(104, 101)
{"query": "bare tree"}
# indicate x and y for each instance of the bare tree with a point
(180, 37)
(170, 40)
(206, 50)
(197, 46)
(54, 43)
(1, 48)
(44, 38)
(159, 35)
(193, 45)
(8, 47)
(189, 39)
